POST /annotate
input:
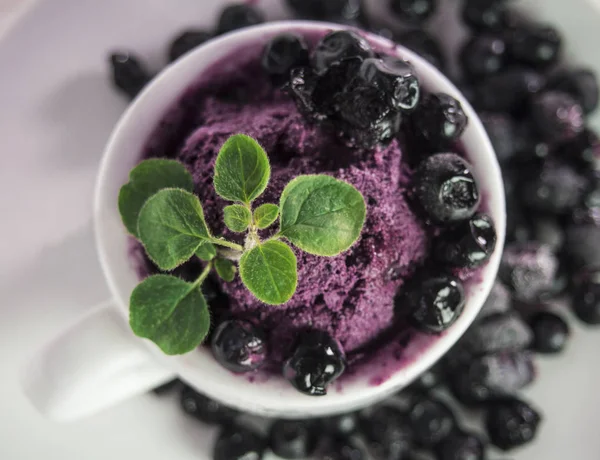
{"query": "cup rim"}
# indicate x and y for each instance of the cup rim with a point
(274, 397)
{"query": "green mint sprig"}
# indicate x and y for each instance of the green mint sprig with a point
(317, 213)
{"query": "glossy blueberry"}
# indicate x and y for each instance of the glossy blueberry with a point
(337, 83)
(498, 332)
(378, 131)
(301, 87)
(557, 117)
(293, 438)
(396, 78)
(388, 433)
(239, 346)
(555, 188)
(330, 10)
(588, 211)
(440, 119)
(237, 16)
(530, 146)
(167, 387)
(425, 45)
(205, 409)
(282, 53)
(413, 11)
(484, 15)
(583, 151)
(343, 448)
(508, 91)
(187, 41)
(343, 425)
(436, 303)
(238, 443)
(431, 421)
(446, 189)
(580, 83)
(488, 377)
(499, 301)
(537, 47)
(316, 361)
(483, 55)
(551, 332)
(586, 296)
(548, 231)
(361, 105)
(528, 269)
(461, 445)
(470, 244)
(128, 74)
(339, 45)
(502, 132)
(583, 245)
(511, 423)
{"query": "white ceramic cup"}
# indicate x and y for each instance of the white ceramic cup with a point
(99, 362)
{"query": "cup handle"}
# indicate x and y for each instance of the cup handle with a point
(92, 365)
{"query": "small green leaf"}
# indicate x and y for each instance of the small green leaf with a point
(206, 252)
(225, 269)
(171, 227)
(321, 215)
(269, 272)
(242, 169)
(145, 180)
(265, 215)
(237, 217)
(170, 312)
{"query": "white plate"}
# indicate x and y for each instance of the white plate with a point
(57, 109)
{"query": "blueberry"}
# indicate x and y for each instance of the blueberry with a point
(344, 424)
(237, 16)
(483, 15)
(461, 445)
(282, 53)
(238, 443)
(395, 78)
(486, 378)
(128, 74)
(468, 245)
(187, 41)
(330, 10)
(498, 332)
(583, 151)
(528, 269)
(581, 84)
(316, 361)
(511, 423)
(499, 301)
(343, 448)
(167, 387)
(508, 91)
(588, 211)
(551, 332)
(413, 11)
(557, 117)
(431, 421)
(339, 45)
(362, 105)
(336, 84)
(379, 131)
(583, 245)
(556, 188)
(425, 45)
(440, 119)
(530, 147)
(537, 46)
(239, 346)
(586, 296)
(388, 433)
(293, 438)
(502, 132)
(548, 231)
(483, 55)
(446, 189)
(301, 88)
(205, 409)
(430, 379)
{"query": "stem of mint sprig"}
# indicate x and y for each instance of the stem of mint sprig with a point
(317, 213)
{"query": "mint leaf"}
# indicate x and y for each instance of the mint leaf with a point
(321, 215)
(206, 252)
(242, 169)
(237, 217)
(170, 312)
(269, 272)
(225, 269)
(145, 180)
(171, 227)
(265, 215)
